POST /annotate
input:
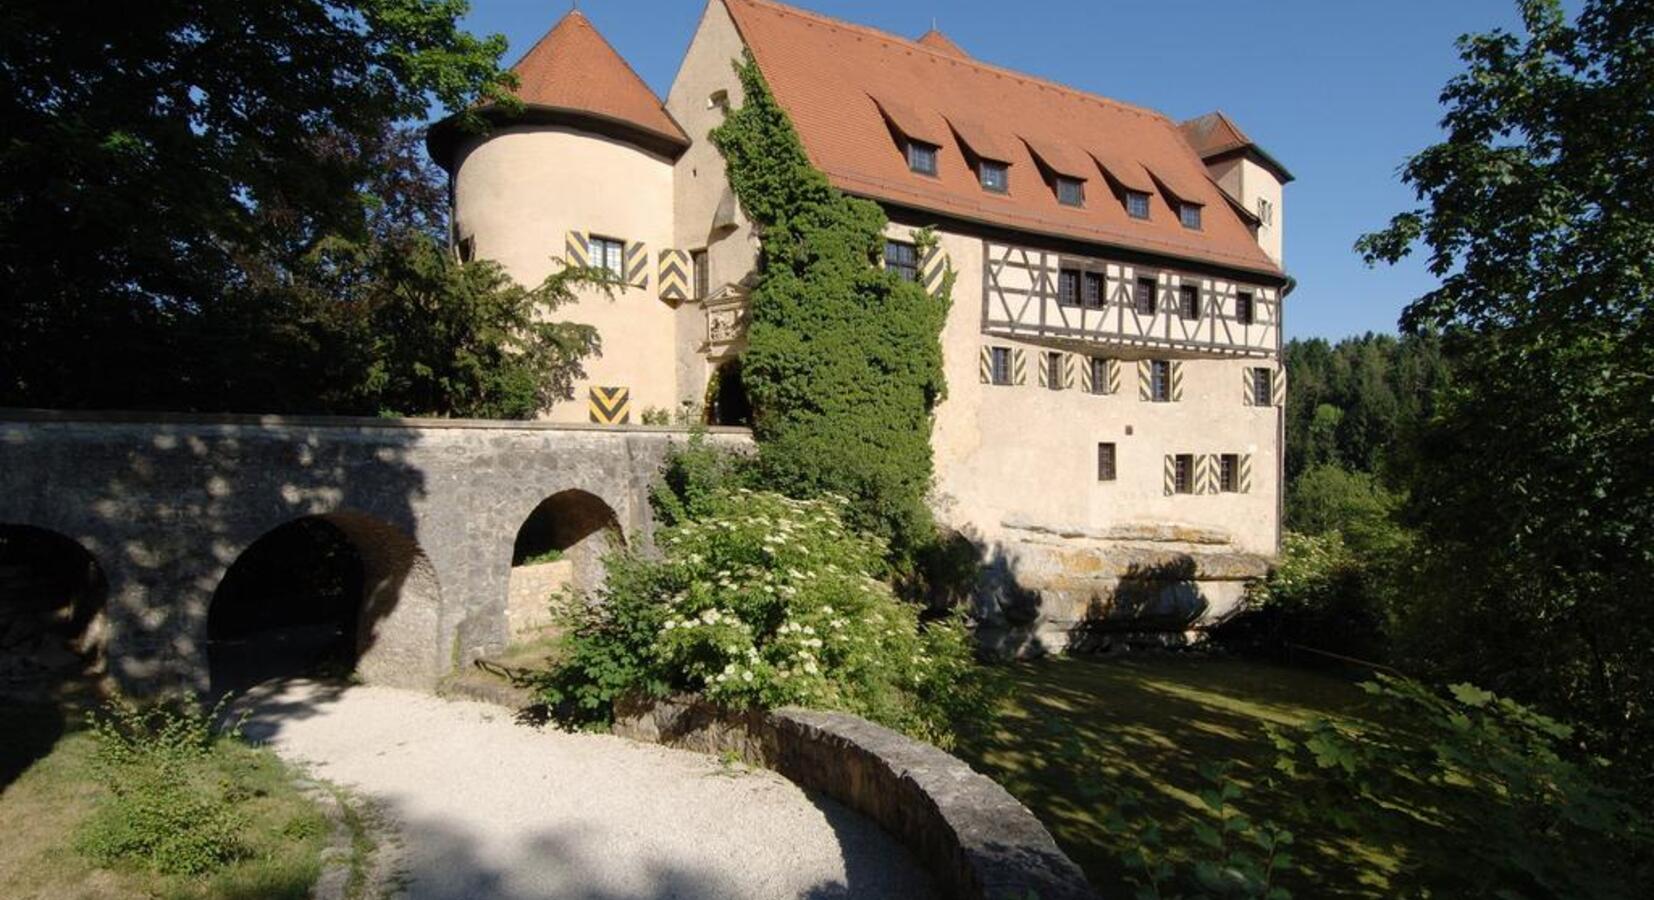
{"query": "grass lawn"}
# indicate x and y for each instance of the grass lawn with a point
(43, 802)
(1149, 722)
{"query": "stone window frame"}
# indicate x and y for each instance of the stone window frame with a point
(1108, 461)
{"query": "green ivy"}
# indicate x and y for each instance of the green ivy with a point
(844, 363)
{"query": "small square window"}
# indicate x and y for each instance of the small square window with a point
(1189, 215)
(1099, 375)
(921, 157)
(1106, 461)
(607, 254)
(1143, 296)
(1188, 301)
(1001, 359)
(1137, 204)
(1263, 383)
(1229, 473)
(1160, 381)
(1183, 472)
(996, 176)
(1243, 308)
(1053, 371)
(1068, 287)
(1070, 191)
(1091, 290)
(903, 259)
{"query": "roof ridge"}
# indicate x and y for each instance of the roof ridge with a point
(880, 33)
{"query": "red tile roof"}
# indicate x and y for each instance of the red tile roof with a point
(573, 68)
(841, 83)
(941, 43)
(1215, 134)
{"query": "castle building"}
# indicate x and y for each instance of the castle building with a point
(1112, 434)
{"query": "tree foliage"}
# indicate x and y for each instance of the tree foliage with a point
(844, 365)
(217, 206)
(1531, 485)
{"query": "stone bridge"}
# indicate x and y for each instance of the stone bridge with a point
(436, 512)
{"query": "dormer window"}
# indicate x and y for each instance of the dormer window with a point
(1189, 215)
(921, 157)
(1070, 191)
(1137, 204)
(996, 176)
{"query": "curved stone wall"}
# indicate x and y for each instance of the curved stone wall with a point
(976, 840)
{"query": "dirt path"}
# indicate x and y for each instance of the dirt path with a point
(487, 808)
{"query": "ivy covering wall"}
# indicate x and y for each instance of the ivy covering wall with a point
(844, 363)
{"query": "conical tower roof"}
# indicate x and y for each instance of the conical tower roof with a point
(574, 68)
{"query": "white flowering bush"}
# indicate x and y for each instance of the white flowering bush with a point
(764, 601)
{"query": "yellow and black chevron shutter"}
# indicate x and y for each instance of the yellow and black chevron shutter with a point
(1246, 385)
(1068, 371)
(932, 268)
(575, 252)
(674, 275)
(1177, 381)
(1088, 384)
(1019, 366)
(985, 365)
(1170, 475)
(1044, 371)
(1145, 379)
(1277, 386)
(1114, 376)
(1244, 476)
(1206, 474)
(610, 405)
(637, 264)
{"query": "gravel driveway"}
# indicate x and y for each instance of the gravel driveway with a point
(485, 807)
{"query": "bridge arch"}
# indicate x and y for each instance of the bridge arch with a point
(329, 594)
(560, 544)
(53, 593)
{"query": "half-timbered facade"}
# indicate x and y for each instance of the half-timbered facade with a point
(1112, 350)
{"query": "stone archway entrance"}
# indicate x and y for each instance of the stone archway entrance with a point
(559, 546)
(327, 596)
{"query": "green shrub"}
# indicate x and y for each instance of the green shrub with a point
(1528, 819)
(759, 600)
(1320, 594)
(168, 809)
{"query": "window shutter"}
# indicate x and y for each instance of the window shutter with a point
(1206, 474)
(1044, 372)
(1088, 384)
(1145, 380)
(1246, 386)
(1244, 476)
(985, 367)
(1171, 475)
(1067, 371)
(1114, 376)
(932, 269)
(1177, 380)
(636, 264)
(1277, 386)
(1019, 366)
(575, 252)
(673, 275)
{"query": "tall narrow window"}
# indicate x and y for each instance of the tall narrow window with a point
(467, 249)
(607, 254)
(1070, 191)
(1099, 375)
(1143, 296)
(1189, 215)
(996, 176)
(1243, 308)
(1053, 371)
(903, 259)
(1266, 212)
(1184, 473)
(1068, 287)
(1091, 290)
(1001, 365)
(1137, 204)
(921, 157)
(703, 274)
(1262, 387)
(1106, 461)
(1160, 381)
(1188, 301)
(1229, 473)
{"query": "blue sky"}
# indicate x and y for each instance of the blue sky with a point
(1341, 92)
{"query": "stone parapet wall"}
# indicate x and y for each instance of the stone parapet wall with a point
(974, 838)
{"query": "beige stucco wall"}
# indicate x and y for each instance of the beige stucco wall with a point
(700, 184)
(1247, 182)
(520, 190)
(1013, 455)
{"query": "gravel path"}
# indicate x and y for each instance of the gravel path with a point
(485, 807)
